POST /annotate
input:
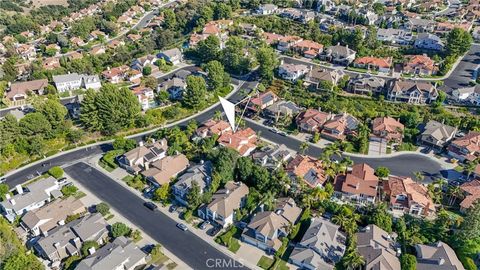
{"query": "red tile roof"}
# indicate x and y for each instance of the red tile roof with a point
(361, 180)
(374, 61)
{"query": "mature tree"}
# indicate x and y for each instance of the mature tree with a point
(53, 111)
(209, 49)
(222, 11)
(125, 144)
(419, 176)
(119, 229)
(147, 70)
(69, 190)
(303, 147)
(3, 190)
(469, 232)
(102, 208)
(195, 93)
(21, 261)
(194, 197)
(224, 161)
(9, 70)
(380, 217)
(408, 262)
(458, 42)
(110, 110)
(56, 172)
(170, 19)
(234, 59)
(244, 170)
(267, 60)
(35, 124)
(382, 172)
(162, 193)
(217, 77)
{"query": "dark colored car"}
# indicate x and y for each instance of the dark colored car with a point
(172, 208)
(150, 205)
(213, 231)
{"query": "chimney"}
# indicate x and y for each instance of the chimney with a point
(19, 189)
(153, 140)
(262, 207)
(61, 222)
(91, 250)
(12, 201)
(77, 242)
(56, 245)
(147, 165)
(140, 143)
(441, 261)
(7, 196)
(202, 161)
(367, 229)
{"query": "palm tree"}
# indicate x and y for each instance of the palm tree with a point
(268, 200)
(303, 147)
(454, 192)
(353, 260)
(470, 168)
(341, 220)
(419, 176)
(218, 115)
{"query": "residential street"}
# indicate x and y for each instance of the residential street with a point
(185, 245)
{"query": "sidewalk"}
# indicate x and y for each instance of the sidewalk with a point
(200, 233)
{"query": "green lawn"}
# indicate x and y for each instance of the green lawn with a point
(265, 262)
(234, 245)
(105, 166)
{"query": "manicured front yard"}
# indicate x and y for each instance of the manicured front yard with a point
(265, 262)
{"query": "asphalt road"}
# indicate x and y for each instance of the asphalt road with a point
(188, 247)
(464, 71)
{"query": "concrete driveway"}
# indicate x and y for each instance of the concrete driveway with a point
(377, 148)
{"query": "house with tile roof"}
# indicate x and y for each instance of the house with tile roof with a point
(378, 248)
(261, 101)
(312, 120)
(17, 93)
(358, 185)
(308, 48)
(387, 128)
(374, 63)
(471, 192)
(116, 74)
(307, 169)
(437, 256)
(419, 65)
(141, 157)
(339, 126)
(225, 201)
(414, 92)
(266, 228)
(244, 141)
(437, 134)
(51, 63)
(161, 171)
(466, 148)
(406, 196)
(286, 42)
(321, 247)
(213, 127)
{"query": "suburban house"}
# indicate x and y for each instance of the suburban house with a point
(267, 9)
(174, 86)
(27, 52)
(394, 36)
(36, 195)
(366, 85)
(469, 95)
(338, 54)
(17, 93)
(266, 228)
(54, 214)
(115, 75)
(471, 192)
(466, 148)
(312, 120)
(243, 141)
(407, 196)
(359, 185)
(285, 43)
(321, 247)
(420, 25)
(414, 92)
(378, 248)
(374, 63)
(67, 240)
(213, 127)
(281, 110)
(437, 134)
(161, 171)
(309, 49)
(438, 255)
(419, 65)
(74, 81)
(173, 56)
(292, 72)
(323, 79)
(145, 61)
(51, 63)
(145, 96)
(387, 129)
(339, 126)
(427, 41)
(262, 101)
(272, 157)
(308, 169)
(201, 174)
(225, 201)
(122, 253)
(141, 157)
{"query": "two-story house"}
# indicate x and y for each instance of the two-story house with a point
(312, 121)
(427, 41)
(213, 127)
(292, 72)
(200, 174)
(162, 171)
(378, 248)
(339, 126)
(387, 129)
(225, 201)
(414, 92)
(139, 158)
(265, 229)
(243, 141)
(337, 54)
(272, 157)
(366, 85)
(281, 110)
(262, 101)
(436, 134)
(359, 185)
(407, 196)
(307, 169)
(17, 93)
(466, 148)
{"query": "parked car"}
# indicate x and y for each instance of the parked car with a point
(172, 208)
(150, 205)
(213, 231)
(62, 181)
(148, 192)
(3, 180)
(182, 227)
(204, 225)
